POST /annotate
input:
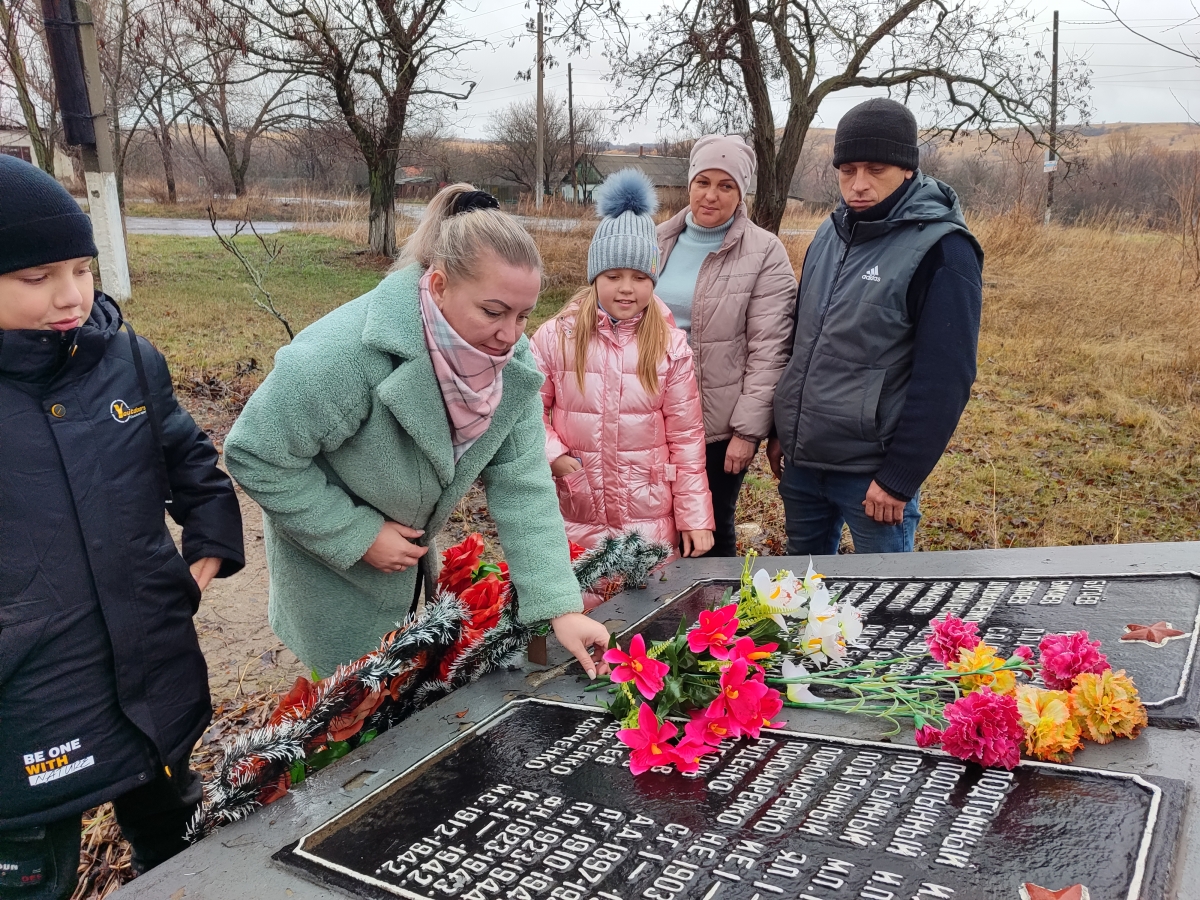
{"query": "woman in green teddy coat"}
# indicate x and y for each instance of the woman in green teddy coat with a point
(377, 419)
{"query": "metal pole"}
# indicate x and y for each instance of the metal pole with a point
(571, 126)
(1051, 156)
(541, 117)
(75, 60)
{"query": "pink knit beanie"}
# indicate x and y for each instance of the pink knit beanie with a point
(727, 152)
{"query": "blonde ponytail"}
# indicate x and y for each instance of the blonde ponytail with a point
(455, 243)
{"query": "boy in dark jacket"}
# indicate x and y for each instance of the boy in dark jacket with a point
(103, 689)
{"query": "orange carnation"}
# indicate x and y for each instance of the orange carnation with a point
(1050, 732)
(983, 660)
(1106, 706)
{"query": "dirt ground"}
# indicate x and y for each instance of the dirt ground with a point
(244, 655)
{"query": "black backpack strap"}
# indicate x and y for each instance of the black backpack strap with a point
(155, 425)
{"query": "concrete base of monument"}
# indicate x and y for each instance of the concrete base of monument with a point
(245, 859)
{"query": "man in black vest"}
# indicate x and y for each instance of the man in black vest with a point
(887, 327)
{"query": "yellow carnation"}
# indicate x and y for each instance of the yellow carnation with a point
(1050, 732)
(983, 660)
(1106, 706)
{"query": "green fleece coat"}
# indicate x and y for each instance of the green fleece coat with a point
(350, 428)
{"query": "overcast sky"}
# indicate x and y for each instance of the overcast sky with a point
(1133, 81)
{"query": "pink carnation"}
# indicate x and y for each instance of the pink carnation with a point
(1024, 652)
(1066, 655)
(950, 635)
(928, 736)
(984, 727)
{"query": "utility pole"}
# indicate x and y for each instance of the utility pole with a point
(1051, 166)
(541, 116)
(71, 39)
(571, 130)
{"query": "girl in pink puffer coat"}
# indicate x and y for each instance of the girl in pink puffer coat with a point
(624, 427)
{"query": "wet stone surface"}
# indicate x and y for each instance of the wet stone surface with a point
(540, 805)
(1012, 611)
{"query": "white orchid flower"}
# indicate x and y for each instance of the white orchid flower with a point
(781, 592)
(849, 622)
(798, 693)
(823, 640)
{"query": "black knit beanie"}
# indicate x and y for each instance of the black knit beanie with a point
(40, 222)
(879, 131)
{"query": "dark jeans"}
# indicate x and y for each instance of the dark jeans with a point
(725, 487)
(42, 862)
(817, 503)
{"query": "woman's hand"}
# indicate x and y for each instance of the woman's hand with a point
(205, 570)
(565, 465)
(696, 543)
(585, 638)
(739, 454)
(392, 551)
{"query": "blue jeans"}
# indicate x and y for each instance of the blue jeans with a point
(816, 503)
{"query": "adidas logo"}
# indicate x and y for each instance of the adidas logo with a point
(872, 274)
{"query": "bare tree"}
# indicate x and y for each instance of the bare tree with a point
(22, 47)
(968, 63)
(237, 101)
(513, 131)
(379, 59)
(155, 95)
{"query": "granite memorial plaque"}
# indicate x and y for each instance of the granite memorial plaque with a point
(538, 804)
(1146, 623)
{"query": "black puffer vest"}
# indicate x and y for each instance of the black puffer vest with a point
(101, 676)
(840, 398)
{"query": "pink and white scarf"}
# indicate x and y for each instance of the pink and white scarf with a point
(471, 381)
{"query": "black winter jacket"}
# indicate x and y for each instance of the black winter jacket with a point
(101, 677)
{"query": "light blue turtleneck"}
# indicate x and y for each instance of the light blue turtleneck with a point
(677, 283)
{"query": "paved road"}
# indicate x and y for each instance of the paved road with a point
(201, 228)
(196, 227)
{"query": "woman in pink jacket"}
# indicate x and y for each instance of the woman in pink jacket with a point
(624, 429)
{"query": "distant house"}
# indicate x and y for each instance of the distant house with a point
(15, 141)
(667, 173)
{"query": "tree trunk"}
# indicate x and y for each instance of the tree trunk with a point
(168, 158)
(42, 147)
(777, 167)
(381, 220)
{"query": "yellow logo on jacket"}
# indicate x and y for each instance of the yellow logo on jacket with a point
(122, 412)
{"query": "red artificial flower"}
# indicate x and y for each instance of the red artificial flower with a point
(646, 674)
(688, 753)
(928, 736)
(649, 742)
(484, 601)
(950, 635)
(1066, 655)
(984, 727)
(714, 631)
(576, 550)
(459, 564)
(711, 729)
(1026, 653)
(745, 648)
(296, 703)
(741, 698)
(272, 791)
(772, 705)
(351, 722)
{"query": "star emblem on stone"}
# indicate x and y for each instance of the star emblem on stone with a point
(1156, 635)
(1034, 892)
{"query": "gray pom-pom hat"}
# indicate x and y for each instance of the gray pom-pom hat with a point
(625, 238)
